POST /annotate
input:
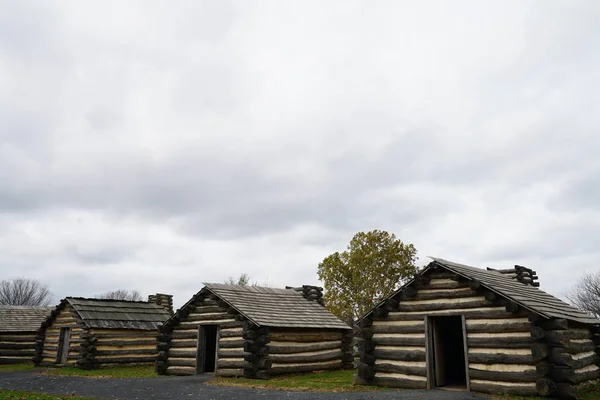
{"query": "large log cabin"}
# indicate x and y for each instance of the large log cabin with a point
(256, 332)
(91, 333)
(18, 329)
(485, 330)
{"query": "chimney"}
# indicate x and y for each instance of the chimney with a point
(165, 300)
(313, 293)
(521, 274)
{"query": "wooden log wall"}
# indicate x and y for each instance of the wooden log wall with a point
(572, 354)
(499, 343)
(47, 340)
(120, 346)
(17, 347)
(178, 343)
(306, 350)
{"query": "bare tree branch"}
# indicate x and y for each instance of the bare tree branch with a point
(121, 294)
(24, 292)
(586, 294)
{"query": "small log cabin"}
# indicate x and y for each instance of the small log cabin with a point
(256, 332)
(489, 331)
(18, 328)
(90, 333)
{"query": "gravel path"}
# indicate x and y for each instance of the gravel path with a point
(192, 388)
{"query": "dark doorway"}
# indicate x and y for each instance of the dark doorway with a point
(448, 352)
(207, 349)
(63, 345)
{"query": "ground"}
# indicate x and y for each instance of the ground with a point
(174, 388)
(138, 383)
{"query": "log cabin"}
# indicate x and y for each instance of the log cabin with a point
(18, 328)
(485, 330)
(91, 333)
(256, 332)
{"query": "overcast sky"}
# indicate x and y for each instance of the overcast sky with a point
(158, 145)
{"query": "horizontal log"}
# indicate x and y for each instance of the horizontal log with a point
(185, 334)
(584, 359)
(508, 343)
(286, 348)
(125, 343)
(399, 340)
(230, 333)
(182, 362)
(183, 353)
(208, 317)
(16, 353)
(577, 346)
(17, 338)
(14, 360)
(126, 360)
(324, 355)
(17, 346)
(516, 357)
(399, 367)
(277, 369)
(400, 353)
(570, 375)
(211, 309)
(484, 312)
(181, 371)
(179, 343)
(324, 336)
(439, 294)
(566, 391)
(124, 352)
(389, 380)
(231, 363)
(127, 334)
(441, 284)
(519, 326)
(520, 389)
(231, 372)
(504, 376)
(226, 344)
(231, 353)
(443, 304)
(366, 346)
(394, 327)
(231, 324)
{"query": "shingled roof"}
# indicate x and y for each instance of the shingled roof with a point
(283, 308)
(528, 297)
(22, 318)
(118, 314)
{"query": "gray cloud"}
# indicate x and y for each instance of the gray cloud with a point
(206, 139)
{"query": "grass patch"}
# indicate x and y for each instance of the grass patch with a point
(16, 367)
(20, 395)
(137, 371)
(325, 381)
(588, 391)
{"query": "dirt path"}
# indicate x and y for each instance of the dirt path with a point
(193, 388)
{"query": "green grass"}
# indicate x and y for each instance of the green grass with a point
(20, 395)
(16, 367)
(138, 371)
(588, 391)
(329, 381)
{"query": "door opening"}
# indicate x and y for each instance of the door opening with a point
(207, 349)
(449, 369)
(63, 345)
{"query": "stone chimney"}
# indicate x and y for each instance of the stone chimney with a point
(165, 300)
(313, 293)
